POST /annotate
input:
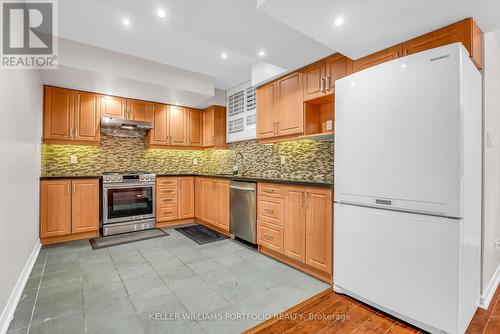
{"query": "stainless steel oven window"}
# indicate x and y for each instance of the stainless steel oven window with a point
(124, 202)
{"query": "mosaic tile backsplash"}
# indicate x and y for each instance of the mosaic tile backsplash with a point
(305, 160)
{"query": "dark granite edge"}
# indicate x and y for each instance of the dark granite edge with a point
(228, 177)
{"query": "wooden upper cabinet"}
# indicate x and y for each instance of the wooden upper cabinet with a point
(214, 126)
(186, 197)
(314, 80)
(319, 228)
(55, 208)
(139, 110)
(221, 195)
(294, 235)
(465, 31)
(158, 135)
(177, 125)
(378, 58)
(266, 111)
(195, 127)
(85, 205)
(58, 113)
(113, 106)
(337, 67)
(87, 116)
(290, 105)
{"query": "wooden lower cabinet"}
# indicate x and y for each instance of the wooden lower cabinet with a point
(208, 202)
(221, 196)
(69, 209)
(211, 204)
(186, 197)
(303, 237)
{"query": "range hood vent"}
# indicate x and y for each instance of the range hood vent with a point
(124, 127)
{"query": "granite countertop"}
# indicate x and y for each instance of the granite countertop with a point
(224, 176)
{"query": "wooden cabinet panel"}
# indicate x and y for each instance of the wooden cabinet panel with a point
(290, 105)
(198, 198)
(208, 127)
(195, 127)
(58, 113)
(294, 231)
(167, 212)
(214, 126)
(158, 135)
(139, 110)
(337, 67)
(319, 228)
(85, 205)
(55, 208)
(270, 210)
(222, 204)
(270, 236)
(378, 58)
(186, 197)
(113, 106)
(266, 111)
(167, 193)
(271, 190)
(87, 116)
(208, 193)
(314, 81)
(177, 126)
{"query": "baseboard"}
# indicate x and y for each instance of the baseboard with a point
(486, 297)
(8, 311)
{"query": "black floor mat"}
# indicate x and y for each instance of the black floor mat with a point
(125, 238)
(201, 234)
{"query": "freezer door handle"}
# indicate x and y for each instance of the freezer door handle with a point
(383, 202)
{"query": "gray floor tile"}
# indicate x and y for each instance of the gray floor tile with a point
(18, 331)
(141, 283)
(165, 264)
(167, 326)
(47, 293)
(219, 275)
(200, 299)
(176, 284)
(128, 261)
(102, 318)
(57, 307)
(176, 273)
(32, 283)
(135, 271)
(60, 277)
(203, 266)
(131, 324)
(96, 259)
(191, 256)
(228, 259)
(236, 290)
(102, 295)
(158, 254)
(54, 258)
(123, 250)
(37, 270)
(63, 266)
(70, 324)
(22, 314)
(159, 300)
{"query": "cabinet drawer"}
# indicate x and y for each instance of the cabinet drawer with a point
(271, 190)
(270, 210)
(166, 191)
(167, 212)
(166, 181)
(270, 236)
(166, 200)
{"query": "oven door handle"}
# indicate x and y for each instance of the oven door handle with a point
(121, 186)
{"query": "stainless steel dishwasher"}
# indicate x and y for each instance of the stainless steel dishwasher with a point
(243, 212)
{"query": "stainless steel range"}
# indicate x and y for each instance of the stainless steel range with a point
(128, 202)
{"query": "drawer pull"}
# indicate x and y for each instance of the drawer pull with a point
(271, 191)
(167, 200)
(268, 237)
(269, 210)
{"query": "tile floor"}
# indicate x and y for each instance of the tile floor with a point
(142, 287)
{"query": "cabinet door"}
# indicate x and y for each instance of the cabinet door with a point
(294, 229)
(186, 197)
(58, 113)
(266, 111)
(314, 81)
(198, 198)
(115, 107)
(208, 127)
(177, 125)
(85, 206)
(208, 193)
(377, 58)
(290, 105)
(87, 116)
(337, 67)
(139, 110)
(319, 228)
(222, 204)
(158, 135)
(195, 134)
(55, 208)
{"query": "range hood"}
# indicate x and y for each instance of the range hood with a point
(124, 127)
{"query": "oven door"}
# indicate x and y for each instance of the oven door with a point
(125, 202)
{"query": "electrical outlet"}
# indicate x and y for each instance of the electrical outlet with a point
(283, 159)
(74, 159)
(195, 161)
(497, 243)
(329, 125)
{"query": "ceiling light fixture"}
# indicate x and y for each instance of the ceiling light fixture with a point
(262, 53)
(176, 103)
(161, 13)
(224, 55)
(126, 22)
(339, 21)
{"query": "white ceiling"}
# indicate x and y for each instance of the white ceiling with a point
(372, 25)
(192, 36)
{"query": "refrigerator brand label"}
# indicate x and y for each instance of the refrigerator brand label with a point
(440, 57)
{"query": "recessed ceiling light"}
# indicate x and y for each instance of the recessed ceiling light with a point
(339, 21)
(223, 55)
(176, 103)
(161, 13)
(262, 53)
(126, 22)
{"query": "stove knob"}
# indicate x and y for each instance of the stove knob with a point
(107, 178)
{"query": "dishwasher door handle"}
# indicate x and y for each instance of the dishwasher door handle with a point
(241, 188)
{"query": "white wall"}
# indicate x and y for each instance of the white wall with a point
(491, 188)
(20, 133)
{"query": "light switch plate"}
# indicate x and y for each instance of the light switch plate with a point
(195, 161)
(74, 159)
(329, 125)
(283, 159)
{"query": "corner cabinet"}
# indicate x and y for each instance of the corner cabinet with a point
(214, 127)
(69, 210)
(211, 203)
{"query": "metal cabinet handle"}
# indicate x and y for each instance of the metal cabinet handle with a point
(67, 190)
(302, 199)
(327, 84)
(322, 85)
(270, 191)
(268, 237)
(74, 188)
(268, 210)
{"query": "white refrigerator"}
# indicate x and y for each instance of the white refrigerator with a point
(407, 215)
